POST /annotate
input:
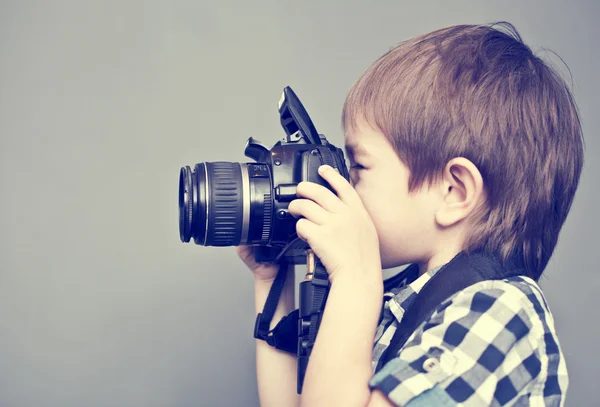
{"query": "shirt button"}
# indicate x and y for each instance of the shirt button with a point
(431, 365)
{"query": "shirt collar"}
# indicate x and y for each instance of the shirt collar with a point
(402, 299)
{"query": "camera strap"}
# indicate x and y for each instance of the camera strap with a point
(294, 326)
(296, 332)
(461, 272)
(285, 334)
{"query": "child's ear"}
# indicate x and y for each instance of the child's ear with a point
(462, 188)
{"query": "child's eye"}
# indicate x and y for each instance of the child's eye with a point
(357, 167)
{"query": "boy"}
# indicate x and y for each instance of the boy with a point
(460, 140)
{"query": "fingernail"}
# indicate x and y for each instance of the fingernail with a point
(324, 168)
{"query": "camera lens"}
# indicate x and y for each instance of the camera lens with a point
(219, 201)
(185, 204)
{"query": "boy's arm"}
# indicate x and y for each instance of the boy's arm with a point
(275, 369)
(340, 365)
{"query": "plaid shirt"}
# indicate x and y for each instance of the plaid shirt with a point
(492, 343)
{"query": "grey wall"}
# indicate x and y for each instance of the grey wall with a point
(102, 102)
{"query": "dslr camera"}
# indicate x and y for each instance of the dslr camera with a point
(235, 203)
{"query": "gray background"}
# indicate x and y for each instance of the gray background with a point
(102, 102)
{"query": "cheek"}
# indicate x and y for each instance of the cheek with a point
(386, 207)
(393, 214)
(394, 240)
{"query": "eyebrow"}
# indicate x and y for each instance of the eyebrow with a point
(355, 149)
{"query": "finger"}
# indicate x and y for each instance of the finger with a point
(306, 230)
(308, 209)
(340, 185)
(243, 251)
(319, 194)
(246, 254)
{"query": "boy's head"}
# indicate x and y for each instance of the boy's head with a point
(472, 142)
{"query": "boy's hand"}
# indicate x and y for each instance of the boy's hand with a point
(338, 228)
(262, 271)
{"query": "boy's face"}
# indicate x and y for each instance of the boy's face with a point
(405, 222)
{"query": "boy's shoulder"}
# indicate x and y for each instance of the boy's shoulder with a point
(497, 333)
(518, 302)
(504, 313)
(517, 293)
(509, 331)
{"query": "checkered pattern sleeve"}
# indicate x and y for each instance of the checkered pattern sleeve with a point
(488, 344)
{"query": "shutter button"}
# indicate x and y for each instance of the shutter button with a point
(431, 365)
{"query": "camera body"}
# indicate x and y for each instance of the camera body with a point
(231, 204)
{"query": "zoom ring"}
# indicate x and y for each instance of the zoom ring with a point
(226, 197)
(267, 217)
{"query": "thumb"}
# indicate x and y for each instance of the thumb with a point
(247, 255)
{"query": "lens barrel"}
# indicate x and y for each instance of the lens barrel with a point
(214, 203)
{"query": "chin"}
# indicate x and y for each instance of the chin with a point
(392, 258)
